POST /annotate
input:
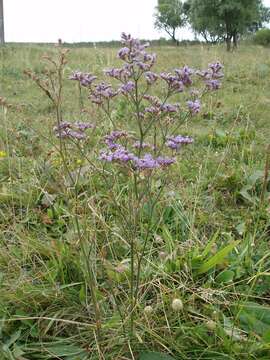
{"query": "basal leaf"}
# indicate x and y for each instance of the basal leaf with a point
(217, 258)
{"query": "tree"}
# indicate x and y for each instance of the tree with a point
(2, 33)
(263, 19)
(170, 15)
(224, 19)
(203, 22)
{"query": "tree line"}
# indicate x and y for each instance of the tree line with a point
(214, 20)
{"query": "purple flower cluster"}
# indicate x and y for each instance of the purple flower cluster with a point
(158, 107)
(103, 91)
(184, 75)
(122, 74)
(175, 142)
(137, 68)
(194, 106)
(177, 82)
(134, 53)
(127, 87)
(110, 140)
(147, 162)
(151, 77)
(85, 79)
(75, 131)
(118, 153)
(175, 85)
(212, 76)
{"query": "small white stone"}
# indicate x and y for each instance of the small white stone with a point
(211, 325)
(177, 305)
(148, 310)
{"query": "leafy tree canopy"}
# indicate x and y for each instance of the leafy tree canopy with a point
(225, 19)
(170, 15)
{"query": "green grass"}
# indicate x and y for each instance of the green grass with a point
(210, 246)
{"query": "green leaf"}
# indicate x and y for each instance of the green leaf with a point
(266, 337)
(58, 349)
(155, 356)
(220, 133)
(210, 244)
(257, 175)
(245, 194)
(217, 258)
(255, 318)
(225, 276)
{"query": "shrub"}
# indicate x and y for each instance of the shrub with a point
(262, 37)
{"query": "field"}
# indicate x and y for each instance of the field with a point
(65, 245)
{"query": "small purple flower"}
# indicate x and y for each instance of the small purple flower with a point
(212, 75)
(120, 155)
(116, 134)
(63, 126)
(213, 84)
(152, 109)
(121, 74)
(82, 126)
(106, 156)
(62, 134)
(72, 131)
(169, 108)
(165, 161)
(174, 83)
(123, 53)
(147, 162)
(216, 67)
(113, 137)
(105, 90)
(88, 79)
(194, 106)
(154, 100)
(85, 79)
(102, 92)
(127, 88)
(184, 75)
(151, 58)
(76, 135)
(138, 145)
(175, 142)
(143, 66)
(76, 75)
(71, 134)
(150, 77)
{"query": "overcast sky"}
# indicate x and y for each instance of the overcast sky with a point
(81, 20)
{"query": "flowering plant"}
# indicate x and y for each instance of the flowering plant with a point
(137, 153)
(149, 144)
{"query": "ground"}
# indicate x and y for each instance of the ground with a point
(210, 248)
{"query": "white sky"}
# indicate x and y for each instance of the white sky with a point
(81, 20)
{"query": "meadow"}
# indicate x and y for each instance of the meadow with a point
(64, 246)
